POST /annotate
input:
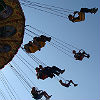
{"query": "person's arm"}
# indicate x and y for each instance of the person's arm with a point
(81, 51)
(75, 12)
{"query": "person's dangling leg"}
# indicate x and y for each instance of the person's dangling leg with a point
(48, 39)
(87, 55)
(56, 69)
(46, 95)
(86, 10)
(72, 83)
(44, 38)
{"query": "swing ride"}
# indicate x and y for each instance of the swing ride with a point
(12, 32)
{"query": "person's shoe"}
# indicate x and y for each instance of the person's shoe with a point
(88, 56)
(75, 85)
(48, 97)
(94, 10)
(62, 71)
(49, 39)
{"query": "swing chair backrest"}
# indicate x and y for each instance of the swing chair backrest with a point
(81, 17)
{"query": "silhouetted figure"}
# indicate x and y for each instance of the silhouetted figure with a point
(38, 94)
(42, 38)
(80, 55)
(45, 72)
(36, 44)
(67, 84)
(81, 14)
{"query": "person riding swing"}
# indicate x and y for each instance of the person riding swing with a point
(67, 84)
(80, 55)
(38, 94)
(45, 72)
(81, 14)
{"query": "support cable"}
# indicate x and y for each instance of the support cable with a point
(58, 8)
(45, 11)
(52, 37)
(6, 86)
(10, 86)
(47, 8)
(20, 70)
(21, 78)
(3, 95)
(25, 64)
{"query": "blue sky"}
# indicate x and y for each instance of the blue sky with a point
(85, 35)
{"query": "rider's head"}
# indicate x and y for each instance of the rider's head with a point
(74, 51)
(33, 87)
(70, 17)
(33, 90)
(40, 66)
(60, 81)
